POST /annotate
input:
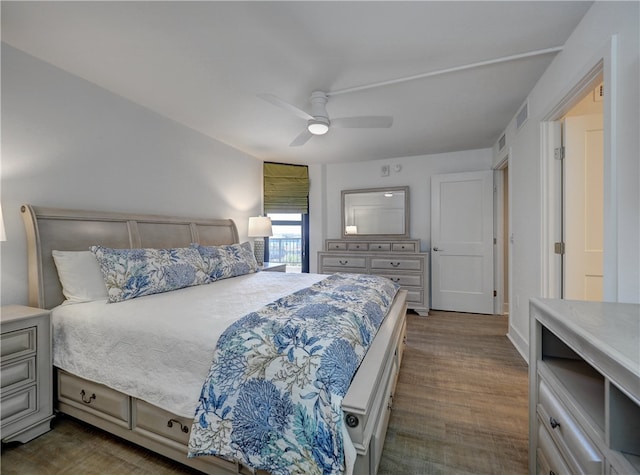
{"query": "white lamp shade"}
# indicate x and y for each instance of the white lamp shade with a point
(260, 226)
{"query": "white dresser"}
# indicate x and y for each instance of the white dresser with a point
(26, 373)
(399, 260)
(584, 388)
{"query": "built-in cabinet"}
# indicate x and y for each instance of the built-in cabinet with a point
(584, 388)
(399, 260)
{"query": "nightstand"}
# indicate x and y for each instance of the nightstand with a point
(274, 267)
(26, 373)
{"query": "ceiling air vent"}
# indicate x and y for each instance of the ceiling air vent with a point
(502, 142)
(523, 115)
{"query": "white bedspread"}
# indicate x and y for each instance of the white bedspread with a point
(159, 348)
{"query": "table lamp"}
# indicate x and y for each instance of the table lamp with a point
(259, 228)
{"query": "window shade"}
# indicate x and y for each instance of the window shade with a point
(286, 188)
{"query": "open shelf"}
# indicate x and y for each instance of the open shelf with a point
(624, 426)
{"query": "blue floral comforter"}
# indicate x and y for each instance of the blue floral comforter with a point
(272, 399)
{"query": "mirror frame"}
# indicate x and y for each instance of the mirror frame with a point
(403, 235)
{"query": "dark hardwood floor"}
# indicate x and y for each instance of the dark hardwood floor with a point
(460, 408)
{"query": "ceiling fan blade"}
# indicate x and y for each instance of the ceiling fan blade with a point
(275, 100)
(301, 139)
(364, 122)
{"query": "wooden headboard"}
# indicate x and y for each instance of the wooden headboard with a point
(74, 230)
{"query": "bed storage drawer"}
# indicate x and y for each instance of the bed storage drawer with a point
(94, 398)
(153, 421)
(384, 413)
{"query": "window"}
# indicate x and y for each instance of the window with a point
(286, 202)
(289, 242)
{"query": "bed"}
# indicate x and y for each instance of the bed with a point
(159, 414)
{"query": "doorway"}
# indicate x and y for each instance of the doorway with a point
(583, 198)
(574, 189)
(502, 236)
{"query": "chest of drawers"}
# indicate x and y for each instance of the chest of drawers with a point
(584, 388)
(401, 261)
(26, 407)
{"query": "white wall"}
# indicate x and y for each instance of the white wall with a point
(68, 143)
(587, 44)
(328, 180)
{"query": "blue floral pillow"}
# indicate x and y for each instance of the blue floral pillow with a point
(228, 261)
(130, 273)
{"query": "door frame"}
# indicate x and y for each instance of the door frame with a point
(600, 68)
(502, 241)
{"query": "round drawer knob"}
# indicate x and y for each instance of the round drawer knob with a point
(553, 422)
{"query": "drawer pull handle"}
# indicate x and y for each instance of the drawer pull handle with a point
(343, 263)
(183, 428)
(395, 279)
(394, 264)
(351, 420)
(87, 401)
(554, 423)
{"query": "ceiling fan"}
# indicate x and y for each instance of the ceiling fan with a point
(318, 122)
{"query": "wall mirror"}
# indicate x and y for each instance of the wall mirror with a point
(376, 212)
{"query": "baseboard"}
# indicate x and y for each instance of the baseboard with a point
(518, 342)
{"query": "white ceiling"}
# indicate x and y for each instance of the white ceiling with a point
(203, 63)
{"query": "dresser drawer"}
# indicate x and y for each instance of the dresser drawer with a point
(343, 262)
(405, 247)
(336, 246)
(18, 343)
(405, 280)
(380, 246)
(18, 373)
(548, 457)
(147, 418)
(415, 296)
(18, 405)
(357, 246)
(396, 263)
(94, 397)
(564, 429)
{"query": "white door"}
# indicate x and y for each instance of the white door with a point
(583, 197)
(462, 242)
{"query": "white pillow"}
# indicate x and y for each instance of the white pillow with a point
(80, 276)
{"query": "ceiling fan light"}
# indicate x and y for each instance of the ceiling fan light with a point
(317, 127)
